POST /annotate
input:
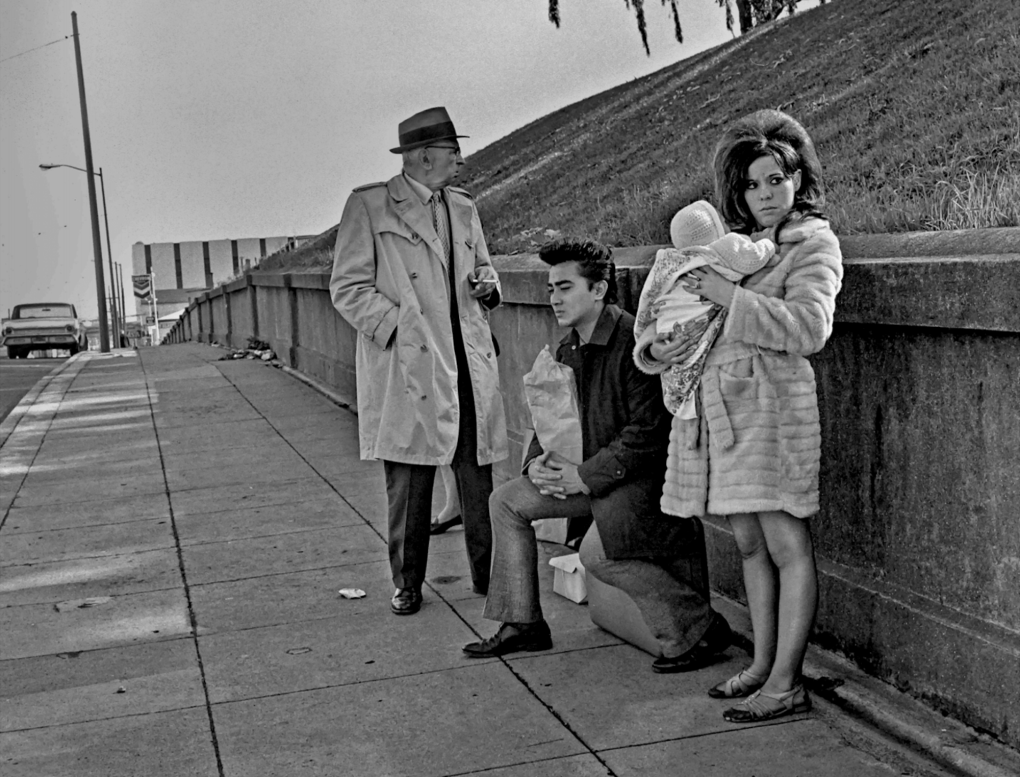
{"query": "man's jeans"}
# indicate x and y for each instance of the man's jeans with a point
(675, 612)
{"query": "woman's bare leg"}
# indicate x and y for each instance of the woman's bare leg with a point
(791, 550)
(760, 585)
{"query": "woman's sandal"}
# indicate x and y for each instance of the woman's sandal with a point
(737, 686)
(759, 706)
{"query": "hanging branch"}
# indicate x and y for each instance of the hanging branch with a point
(729, 13)
(677, 32)
(749, 12)
(639, 13)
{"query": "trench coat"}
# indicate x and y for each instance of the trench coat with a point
(391, 282)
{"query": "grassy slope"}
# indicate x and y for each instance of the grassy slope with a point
(914, 106)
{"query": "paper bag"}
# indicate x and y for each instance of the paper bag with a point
(569, 577)
(552, 399)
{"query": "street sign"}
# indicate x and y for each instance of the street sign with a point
(150, 320)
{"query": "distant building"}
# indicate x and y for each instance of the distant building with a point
(185, 271)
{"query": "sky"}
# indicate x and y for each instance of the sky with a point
(216, 119)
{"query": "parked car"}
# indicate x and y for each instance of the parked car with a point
(41, 326)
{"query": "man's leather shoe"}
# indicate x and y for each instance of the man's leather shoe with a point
(512, 638)
(705, 653)
(406, 601)
(438, 527)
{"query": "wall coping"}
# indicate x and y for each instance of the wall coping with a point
(310, 280)
(273, 279)
(235, 285)
(973, 292)
(952, 242)
(954, 279)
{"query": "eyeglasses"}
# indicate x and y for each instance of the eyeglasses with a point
(454, 149)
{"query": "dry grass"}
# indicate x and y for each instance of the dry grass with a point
(987, 199)
(315, 255)
(913, 106)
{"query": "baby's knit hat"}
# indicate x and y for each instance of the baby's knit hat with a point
(697, 224)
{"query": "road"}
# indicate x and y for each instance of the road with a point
(17, 376)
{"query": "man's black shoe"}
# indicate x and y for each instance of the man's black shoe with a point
(512, 638)
(705, 653)
(406, 601)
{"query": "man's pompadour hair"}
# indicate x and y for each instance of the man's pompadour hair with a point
(594, 260)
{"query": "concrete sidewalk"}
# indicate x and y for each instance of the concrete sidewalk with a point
(175, 532)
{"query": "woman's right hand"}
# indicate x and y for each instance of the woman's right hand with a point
(669, 351)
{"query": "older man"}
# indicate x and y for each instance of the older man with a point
(412, 274)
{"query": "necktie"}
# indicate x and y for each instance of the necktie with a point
(440, 222)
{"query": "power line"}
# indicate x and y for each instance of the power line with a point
(59, 40)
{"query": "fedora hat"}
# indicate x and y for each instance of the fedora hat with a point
(425, 128)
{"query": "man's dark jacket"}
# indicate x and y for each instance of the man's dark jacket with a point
(625, 435)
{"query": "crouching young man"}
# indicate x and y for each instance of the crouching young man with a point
(625, 435)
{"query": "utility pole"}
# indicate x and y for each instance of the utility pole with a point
(97, 242)
(155, 309)
(117, 317)
(120, 297)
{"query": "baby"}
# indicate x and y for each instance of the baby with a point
(699, 239)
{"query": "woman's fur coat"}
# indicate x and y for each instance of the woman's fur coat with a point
(756, 444)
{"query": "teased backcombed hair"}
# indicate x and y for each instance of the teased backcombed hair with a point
(765, 133)
(594, 260)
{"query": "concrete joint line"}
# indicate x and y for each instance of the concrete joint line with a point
(335, 398)
(562, 721)
(352, 684)
(530, 690)
(193, 621)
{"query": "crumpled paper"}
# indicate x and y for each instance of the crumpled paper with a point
(351, 593)
(552, 399)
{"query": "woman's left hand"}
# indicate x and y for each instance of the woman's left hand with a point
(709, 285)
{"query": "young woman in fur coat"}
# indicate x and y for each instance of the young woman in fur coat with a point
(753, 452)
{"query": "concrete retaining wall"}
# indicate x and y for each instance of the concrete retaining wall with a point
(918, 537)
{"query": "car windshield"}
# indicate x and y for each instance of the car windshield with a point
(45, 311)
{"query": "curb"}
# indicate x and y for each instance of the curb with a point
(321, 387)
(14, 417)
(857, 701)
(942, 739)
(845, 689)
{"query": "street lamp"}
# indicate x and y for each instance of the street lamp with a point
(109, 252)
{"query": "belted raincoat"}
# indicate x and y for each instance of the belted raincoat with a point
(391, 282)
